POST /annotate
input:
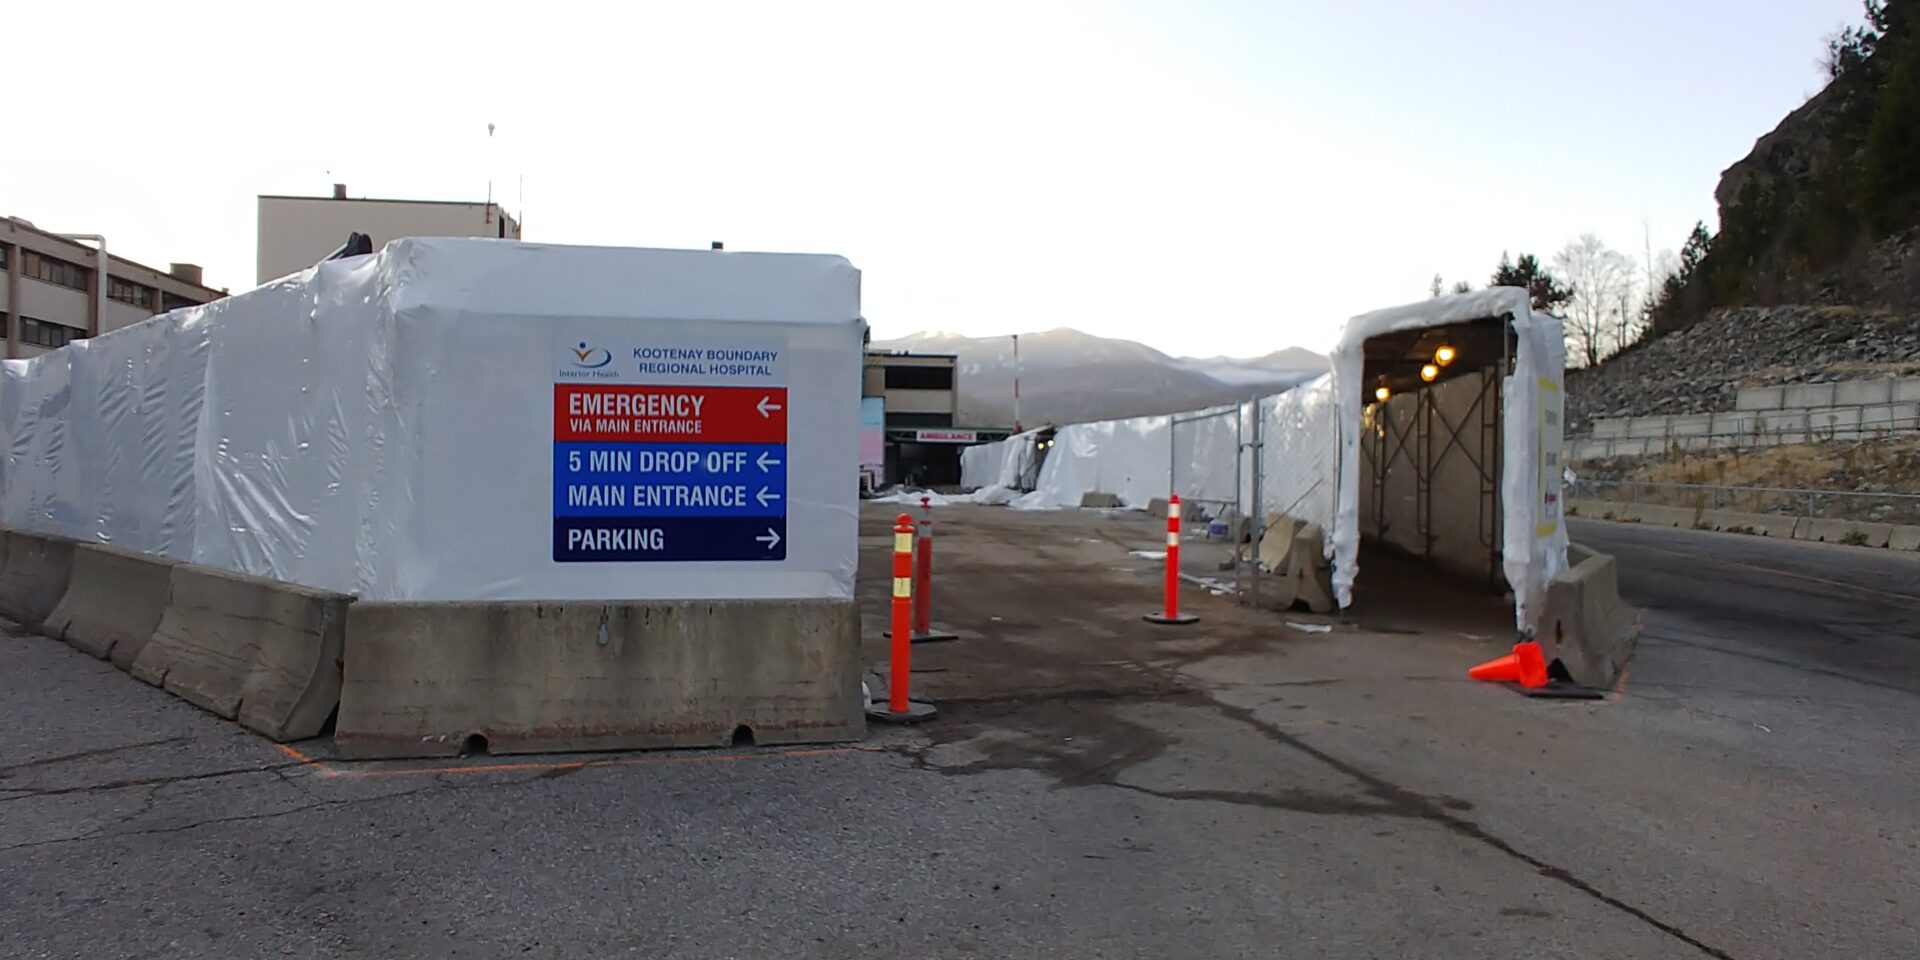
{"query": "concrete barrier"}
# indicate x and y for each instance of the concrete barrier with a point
(1309, 570)
(1157, 507)
(1904, 537)
(1096, 499)
(33, 576)
(1775, 525)
(423, 679)
(1893, 536)
(1659, 516)
(1858, 533)
(1276, 544)
(259, 651)
(113, 602)
(1584, 625)
(1295, 553)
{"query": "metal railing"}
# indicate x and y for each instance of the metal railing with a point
(1818, 504)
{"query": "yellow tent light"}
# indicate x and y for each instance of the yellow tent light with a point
(1428, 372)
(1444, 355)
(1381, 392)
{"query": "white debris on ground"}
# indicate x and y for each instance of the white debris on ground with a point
(1148, 554)
(1310, 627)
(995, 496)
(1219, 588)
(1032, 501)
(913, 497)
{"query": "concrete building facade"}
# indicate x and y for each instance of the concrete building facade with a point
(53, 292)
(922, 398)
(297, 232)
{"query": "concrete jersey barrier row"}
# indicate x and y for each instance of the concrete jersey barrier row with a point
(423, 679)
(1860, 533)
(33, 576)
(262, 652)
(113, 602)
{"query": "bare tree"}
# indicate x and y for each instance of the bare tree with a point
(1602, 280)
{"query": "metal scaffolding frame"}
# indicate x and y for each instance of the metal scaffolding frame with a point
(1425, 441)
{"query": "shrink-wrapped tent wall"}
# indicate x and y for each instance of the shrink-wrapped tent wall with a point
(386, 425)
(1311, 457)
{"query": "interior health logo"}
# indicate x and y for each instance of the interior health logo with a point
(589, 358)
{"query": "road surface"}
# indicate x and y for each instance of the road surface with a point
(1096, 787)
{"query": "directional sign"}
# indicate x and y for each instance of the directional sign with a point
(669, 452)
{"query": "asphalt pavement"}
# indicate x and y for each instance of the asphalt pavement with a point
(1095, 787)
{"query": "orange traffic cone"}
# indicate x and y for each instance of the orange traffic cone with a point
(1525, 666)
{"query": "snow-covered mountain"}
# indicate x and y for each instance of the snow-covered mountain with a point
(1067, 376)
(1257, 370)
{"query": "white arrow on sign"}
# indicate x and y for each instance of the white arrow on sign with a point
(772, 539)
(763, 496)
(766, 404)
(764, 462)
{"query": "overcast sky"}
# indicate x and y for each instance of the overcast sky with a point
(1228, 177)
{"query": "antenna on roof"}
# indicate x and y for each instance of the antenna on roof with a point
(489, 173)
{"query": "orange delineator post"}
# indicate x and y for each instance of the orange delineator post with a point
(923, 571)
(1172, 614)
(1173, 557)
(901, 664)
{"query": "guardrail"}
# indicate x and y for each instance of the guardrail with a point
(1789, 501)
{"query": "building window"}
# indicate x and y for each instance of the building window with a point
(173, 301)
(126, 291)
(898, 420)
(919, 378)
(49, 335)
(55, 270)
(3, 261)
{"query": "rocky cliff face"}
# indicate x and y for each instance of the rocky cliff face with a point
(1700, 368)
(1825, 209)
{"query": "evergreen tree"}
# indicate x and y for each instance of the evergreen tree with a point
(1548, 293)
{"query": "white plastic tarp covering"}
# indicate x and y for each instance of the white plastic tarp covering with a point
(1003, 463)
(981, 464)
(1298, 456)
(385, 425)
(1129, 459)
(133, 423)
(1309, 447)
(1535, 541)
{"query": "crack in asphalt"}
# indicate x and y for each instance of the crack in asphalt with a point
(437, 784)
(149, 781)
(1426, 808)
(1382, 797)
(89, 754)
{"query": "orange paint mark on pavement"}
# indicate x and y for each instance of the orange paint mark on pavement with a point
(305, 760)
